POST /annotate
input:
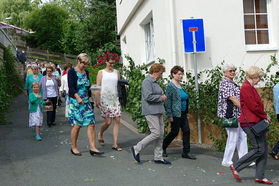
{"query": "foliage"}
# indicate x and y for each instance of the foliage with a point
(47, 23)
(267, 95)
(135, 74)
(209, 80)
(10, 83)
(102, 51)
(93, 70)
(17, 10)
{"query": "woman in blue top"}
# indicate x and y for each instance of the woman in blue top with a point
(177, 108)
(34, 77)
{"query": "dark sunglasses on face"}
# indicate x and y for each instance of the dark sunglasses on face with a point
(111, 63)
(230, 71)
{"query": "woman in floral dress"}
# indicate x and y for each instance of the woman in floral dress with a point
(80, 112)
(107, 99)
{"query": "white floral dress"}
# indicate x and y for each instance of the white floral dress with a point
(36, 118)
(110, 105)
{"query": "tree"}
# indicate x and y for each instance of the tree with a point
(17, 9)
(47, 23)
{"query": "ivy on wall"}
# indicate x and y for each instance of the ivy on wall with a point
(209, 80)
(10, 83)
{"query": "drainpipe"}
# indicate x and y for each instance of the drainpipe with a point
(173, 35)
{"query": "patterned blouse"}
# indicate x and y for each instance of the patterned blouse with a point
(226, 90)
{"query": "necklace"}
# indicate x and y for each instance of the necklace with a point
(177, 84)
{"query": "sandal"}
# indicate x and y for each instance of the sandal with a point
(117, 148)
(101, 141)
(274, 155)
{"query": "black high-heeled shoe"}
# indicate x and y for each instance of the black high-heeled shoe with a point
(95, 153)
(76, 154)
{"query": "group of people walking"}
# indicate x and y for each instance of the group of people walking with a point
(245, 104)
(233, 102)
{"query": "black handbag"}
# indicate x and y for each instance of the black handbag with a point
(259, 128)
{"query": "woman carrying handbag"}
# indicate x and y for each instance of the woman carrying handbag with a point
(228, 109)
(252, 113)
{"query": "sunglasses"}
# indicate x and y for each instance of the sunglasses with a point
(111, 63)
(230, 71)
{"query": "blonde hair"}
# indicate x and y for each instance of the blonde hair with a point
(35, 83)
(34, 66)
(254, 72)
(156, 67)
(83, 58)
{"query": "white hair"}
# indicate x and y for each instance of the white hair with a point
(227, 66)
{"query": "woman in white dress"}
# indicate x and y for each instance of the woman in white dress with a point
(107, 100)
(64, 87)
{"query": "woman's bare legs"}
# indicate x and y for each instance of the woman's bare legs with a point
(74, 137)
(92, 137)
(104, 127)
(116, 132)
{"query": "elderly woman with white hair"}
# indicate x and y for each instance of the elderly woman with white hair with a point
(253, 112)
(229, 107)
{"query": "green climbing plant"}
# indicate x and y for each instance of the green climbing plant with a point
(10, 83)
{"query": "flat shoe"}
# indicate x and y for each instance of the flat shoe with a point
(236, 176)
(165, 162)
(116, 148)
(274, 155)
(136, 157)
(264, 181)
(38, 138)
(76, 154)
(95, 153)
(188, 156)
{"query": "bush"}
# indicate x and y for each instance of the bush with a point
(10, 83)
(208, 97)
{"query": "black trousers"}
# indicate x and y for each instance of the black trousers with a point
(181, 122)
(51, 114)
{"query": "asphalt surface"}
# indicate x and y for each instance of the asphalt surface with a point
(24, 161)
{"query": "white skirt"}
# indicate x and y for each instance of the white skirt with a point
(36, 118)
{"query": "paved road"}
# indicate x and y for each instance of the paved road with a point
(24, 161)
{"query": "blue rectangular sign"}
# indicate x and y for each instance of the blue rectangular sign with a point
(190, 38)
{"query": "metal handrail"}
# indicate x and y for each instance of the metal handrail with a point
(6, 41)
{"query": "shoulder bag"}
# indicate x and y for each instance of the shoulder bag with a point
(259, 128)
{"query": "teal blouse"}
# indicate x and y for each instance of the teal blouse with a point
(34, 101)
(184, 97)
(30, 80)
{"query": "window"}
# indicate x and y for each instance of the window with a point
(149, 41)
(256, 22)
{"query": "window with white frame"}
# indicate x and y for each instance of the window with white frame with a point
(149, 41)
(256, 22)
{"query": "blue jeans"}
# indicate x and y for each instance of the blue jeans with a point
(276, 148)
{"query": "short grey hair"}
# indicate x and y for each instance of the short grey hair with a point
(227, 66)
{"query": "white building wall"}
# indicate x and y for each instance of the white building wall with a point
(135, 36)
(223, 25)
(224, 33)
